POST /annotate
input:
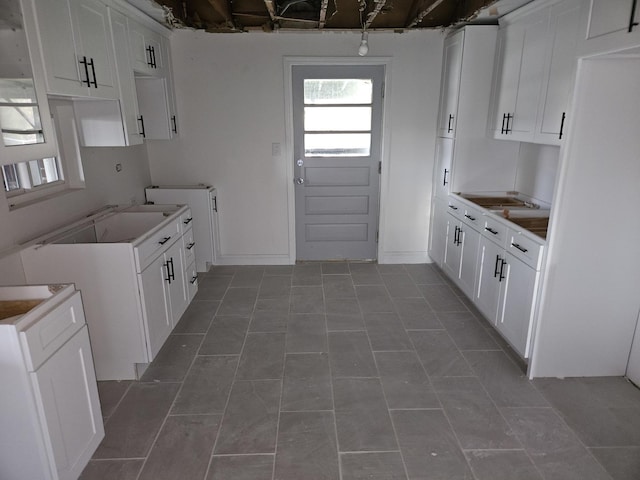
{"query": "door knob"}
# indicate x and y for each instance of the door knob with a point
(298, 180)
(299, 162)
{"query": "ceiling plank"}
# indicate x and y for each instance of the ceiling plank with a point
(371, 16)
(323, 13)
(222, 7)
(271, 8)
(423, 13)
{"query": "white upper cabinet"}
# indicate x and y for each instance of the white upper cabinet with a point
(522, 48)
(146, 49)
(75, 38)
(451, 68)
(442, 167)
(564, 31)
(613, 16)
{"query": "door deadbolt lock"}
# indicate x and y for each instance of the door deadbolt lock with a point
(299, 162)
(298, 180)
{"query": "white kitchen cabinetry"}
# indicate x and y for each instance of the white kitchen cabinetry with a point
(443, 162)
(50, 420)
(153, 101)
(565, 21)
(519, 66)
(438, 232)
(490, 257)
(171, 93)
(451, 68)
(613, 16)
(129, 264)
(146, 49)
(75, 38)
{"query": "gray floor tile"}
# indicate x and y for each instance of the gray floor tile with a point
(307, 300)
(372, 466)
(552, 446)
(112, 470)
(273, 305)
(338, 286)
(307, 383)
(386, 332)
(238, 301)
(438, 354)
(416, 314)
(474, 418)
(269, 322)
(374, 298)
(466, 331)
(250, 422)
(404, 382)
(241, 467)
(401, 285)
(442, 298)
(388, 269)
(248, 277)
(335, 268)
(174, 359)
(132, 428)
(362, 417)
(506, 384)
(350, 355)
(362, 267)
(306, 333)
(502, 465)
(424, 274)
(270, 270)
(197, 318)
(344, 322)
(604, 413)
(363, 277)
(345, 306)
(307, 275)
(110, 393)
(207, 385)
(429, 446)
(225, 336)
(212, 287)
(262, 357)
(306, 447)
(222, 270)
(183, 448)
(275, 287)
(622, 463)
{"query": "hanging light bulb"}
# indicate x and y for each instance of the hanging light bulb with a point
(364, 44)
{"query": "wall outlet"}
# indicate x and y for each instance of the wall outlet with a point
(118, 167)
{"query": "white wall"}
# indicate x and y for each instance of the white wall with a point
(537, 169)
(103, 186)
(231, 106)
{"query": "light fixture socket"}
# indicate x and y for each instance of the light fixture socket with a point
(364, 44)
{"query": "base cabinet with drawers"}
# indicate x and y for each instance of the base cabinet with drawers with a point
(131, 266)
(50, 417)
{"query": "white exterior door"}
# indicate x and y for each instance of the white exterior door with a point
(337, 120)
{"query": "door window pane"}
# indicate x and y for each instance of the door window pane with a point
(337, 144)
(332, 91)
(327, 119)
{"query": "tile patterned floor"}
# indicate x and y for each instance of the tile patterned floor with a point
(350, 371)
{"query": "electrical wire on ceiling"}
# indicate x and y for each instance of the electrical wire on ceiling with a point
(363, 49)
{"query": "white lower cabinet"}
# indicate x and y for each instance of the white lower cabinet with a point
(487, 293)
(438, 238)
(50, 417)
(460, 260)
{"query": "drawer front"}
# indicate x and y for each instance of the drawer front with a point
(525, 248)
(157, 243)
(192, 280)
(47, 335)
(495, 230)
(455, 207)
(186, 221)
(189, 247)
(473, 217)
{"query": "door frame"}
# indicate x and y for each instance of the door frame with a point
(385, 137)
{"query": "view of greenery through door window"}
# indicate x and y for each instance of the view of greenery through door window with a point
(337, 117)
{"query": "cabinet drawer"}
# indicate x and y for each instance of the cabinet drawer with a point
(525, 248)
(473, 217)
(455, 207)
(156, 243)
(495, 230)
(192, 280)
(186, 221)
(46, 336)
(189, 247)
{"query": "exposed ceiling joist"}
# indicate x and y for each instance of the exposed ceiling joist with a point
(323, 13)
(271, 9)
(371, 16)
(424, 13)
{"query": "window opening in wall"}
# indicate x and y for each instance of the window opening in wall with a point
(21, 177)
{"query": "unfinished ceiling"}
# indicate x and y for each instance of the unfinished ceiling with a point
(270, 15)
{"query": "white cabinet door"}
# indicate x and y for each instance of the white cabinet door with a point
(611, 16)
(438, 238)
(508, 59)
(154, 108)
(516, 304)
(563, 36)
(176, 284)
(442, 167)
(453, 251)
(171, 96)
(69, 407)
(451, 68)
(156, 304)
(469, 259)
(490, 258)
(146, 49)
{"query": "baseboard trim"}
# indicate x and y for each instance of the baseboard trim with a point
(254, 260)
(404, 257)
